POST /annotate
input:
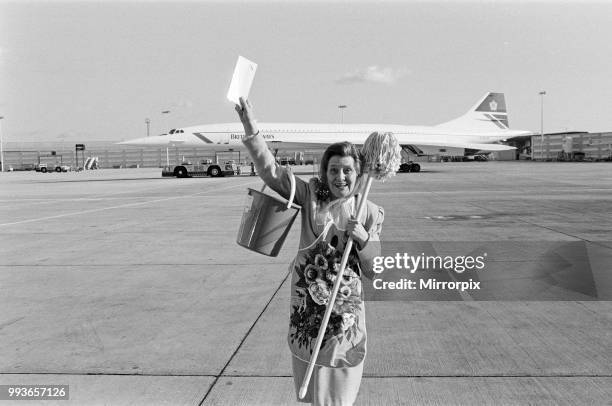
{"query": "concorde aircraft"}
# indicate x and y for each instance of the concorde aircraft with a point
(480, 129)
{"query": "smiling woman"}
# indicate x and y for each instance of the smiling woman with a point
(328, 224)
(340, 166)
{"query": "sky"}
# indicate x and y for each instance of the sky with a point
(84, 70)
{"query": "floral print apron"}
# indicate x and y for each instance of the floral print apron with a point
(314, 271)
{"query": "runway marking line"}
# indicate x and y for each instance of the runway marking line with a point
(118, 206)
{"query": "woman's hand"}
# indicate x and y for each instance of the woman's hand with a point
(247, 117)
(356, 230)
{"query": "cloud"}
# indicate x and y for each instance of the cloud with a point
(373, 74)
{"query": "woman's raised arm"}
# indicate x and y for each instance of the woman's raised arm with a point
(275, 176)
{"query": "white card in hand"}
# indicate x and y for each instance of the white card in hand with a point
(244, 72)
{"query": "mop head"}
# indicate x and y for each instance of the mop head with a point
(381, 155)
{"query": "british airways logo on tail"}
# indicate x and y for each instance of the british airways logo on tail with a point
(493, 102)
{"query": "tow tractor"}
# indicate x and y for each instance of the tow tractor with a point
(199, 168)
(51, 166)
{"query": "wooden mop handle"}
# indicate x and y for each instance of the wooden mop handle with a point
(332, 298)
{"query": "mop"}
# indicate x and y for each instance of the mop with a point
(381, 160)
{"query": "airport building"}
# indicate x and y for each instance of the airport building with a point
(560, 146)
(572, 146)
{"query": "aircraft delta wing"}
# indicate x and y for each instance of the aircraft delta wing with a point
(480, 129)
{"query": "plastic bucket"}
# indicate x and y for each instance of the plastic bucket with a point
(266, 221)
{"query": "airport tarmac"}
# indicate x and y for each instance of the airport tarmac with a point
(130, 288)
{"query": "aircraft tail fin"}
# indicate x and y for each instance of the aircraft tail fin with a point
(489, 113)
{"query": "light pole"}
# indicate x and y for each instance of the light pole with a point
(542, 93)
(341, 108)
(167, 154)
(1, 147)
(148, 123)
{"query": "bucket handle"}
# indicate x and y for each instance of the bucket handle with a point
(291, 193)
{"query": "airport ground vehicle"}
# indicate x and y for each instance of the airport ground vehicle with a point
(55, 163)
(204, 167)
(464, 158)
(286, 161)
(477, 157)
(409, 167)
(51, 168)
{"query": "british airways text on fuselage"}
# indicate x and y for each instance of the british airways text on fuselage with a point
(239, 136)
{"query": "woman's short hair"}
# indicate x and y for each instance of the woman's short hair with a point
(341, 149)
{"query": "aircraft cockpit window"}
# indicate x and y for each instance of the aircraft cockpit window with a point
(172, 131)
